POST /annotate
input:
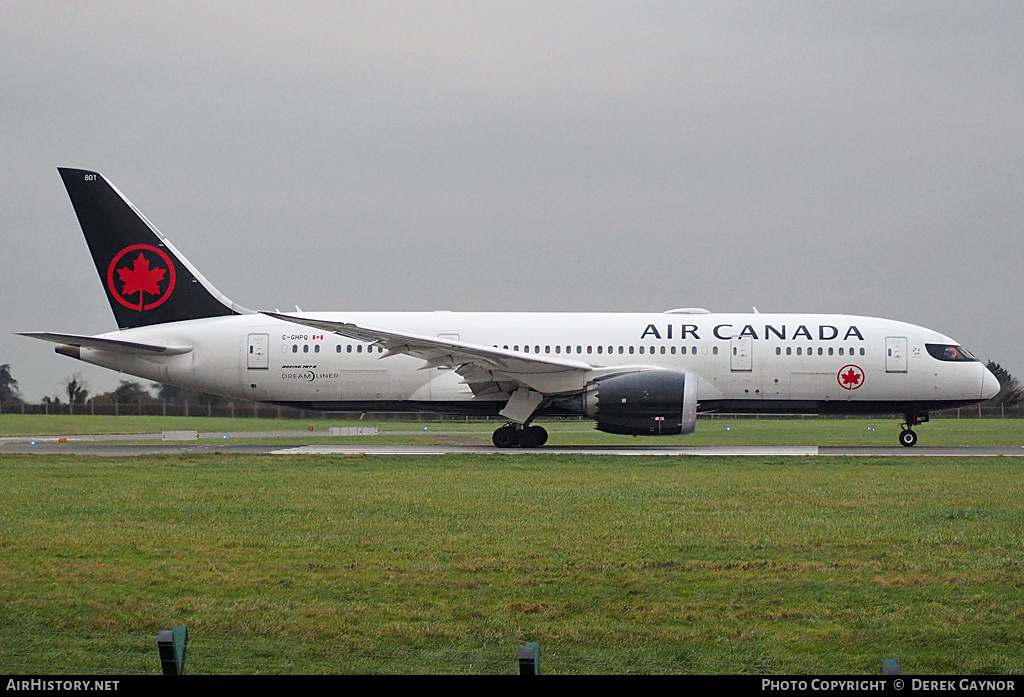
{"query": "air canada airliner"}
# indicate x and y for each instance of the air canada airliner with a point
(646, 373)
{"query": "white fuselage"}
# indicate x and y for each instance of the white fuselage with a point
(744, 362)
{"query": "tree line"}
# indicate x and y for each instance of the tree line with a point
(75, 392)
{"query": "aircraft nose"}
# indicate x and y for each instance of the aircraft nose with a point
(989, 384)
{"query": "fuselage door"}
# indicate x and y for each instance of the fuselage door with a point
(741, 353)
(895, 354)
(258, 357)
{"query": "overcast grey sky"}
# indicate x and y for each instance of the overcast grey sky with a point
(855, 157)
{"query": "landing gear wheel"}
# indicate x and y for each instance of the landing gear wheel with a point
(505, 437)
(908, 438)
(533, 437)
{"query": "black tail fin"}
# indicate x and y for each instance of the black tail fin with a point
(146, 279)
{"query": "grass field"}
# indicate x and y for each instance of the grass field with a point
(415, 565)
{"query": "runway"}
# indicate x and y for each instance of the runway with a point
(142, 445)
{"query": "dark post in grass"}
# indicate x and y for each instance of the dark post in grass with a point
(529, 659)
(172, 644)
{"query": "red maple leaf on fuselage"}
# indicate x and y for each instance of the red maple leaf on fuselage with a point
(850, 377)
(141, 279)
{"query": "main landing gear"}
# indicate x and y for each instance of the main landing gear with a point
(512, 435)
(907, 436)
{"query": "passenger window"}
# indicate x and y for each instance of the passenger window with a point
(630, 349)
(316, 348)
(862, 352)
(558, 349)
(295, 348)
(778, 350)
(526, 349)
(714, 350)
(348, 348)
(641, 349)
(840, 350)
(830, 350)
(799, 351)
(820, 351)
(599, 349)
(359, 348)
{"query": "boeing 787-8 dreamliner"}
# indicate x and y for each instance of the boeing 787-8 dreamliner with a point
(644, 373)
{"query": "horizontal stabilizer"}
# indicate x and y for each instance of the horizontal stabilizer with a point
(112, 345)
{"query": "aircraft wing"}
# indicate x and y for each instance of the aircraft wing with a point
(486, 369)
(103, 344)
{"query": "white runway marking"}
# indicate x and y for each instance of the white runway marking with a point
(705, 450)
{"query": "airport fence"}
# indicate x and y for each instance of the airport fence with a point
(228, 409)
(270, 411)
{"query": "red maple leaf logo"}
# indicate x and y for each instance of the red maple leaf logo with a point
(852, 378)
(140, 280)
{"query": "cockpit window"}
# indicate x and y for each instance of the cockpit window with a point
(948, 352)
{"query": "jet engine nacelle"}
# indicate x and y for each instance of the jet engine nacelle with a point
(644, 402)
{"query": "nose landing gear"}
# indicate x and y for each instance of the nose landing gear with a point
(512, 435)
(908, 438)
